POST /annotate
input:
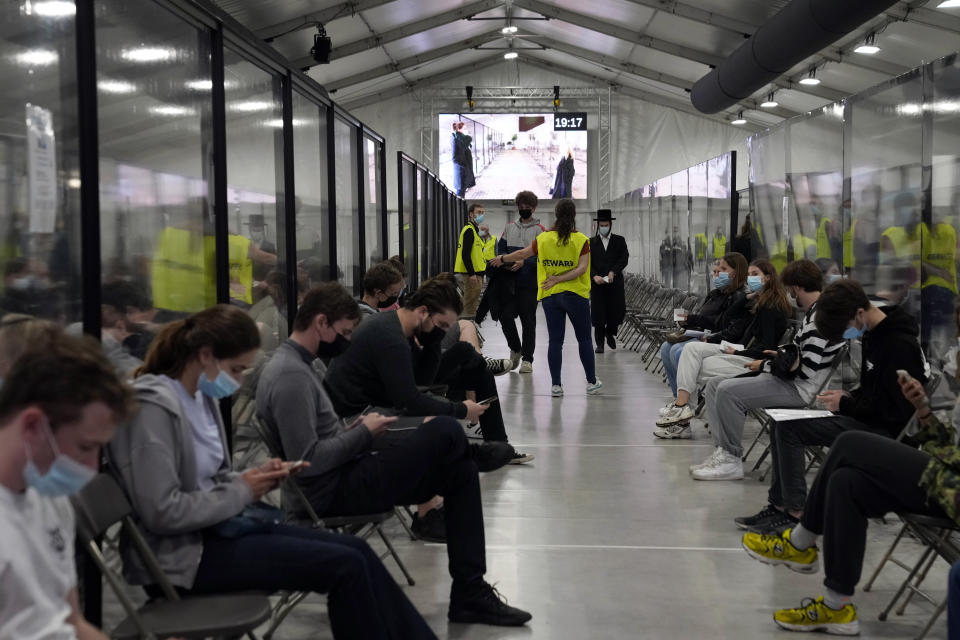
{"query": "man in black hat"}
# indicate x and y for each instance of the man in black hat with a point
(609, 257)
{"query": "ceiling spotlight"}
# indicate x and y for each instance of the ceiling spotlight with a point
(50, 8)
(148, 54)
(869, 46)
(37, 57)
(811, 79)
(508, 29)
(769, 103)
(949, 4)
(739, 119)
(321, 46)
(510, 55)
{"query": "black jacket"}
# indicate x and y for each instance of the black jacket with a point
(878, 401)
(765, 330)
(733, 322)
(713, 307)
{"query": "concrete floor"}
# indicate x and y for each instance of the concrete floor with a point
(605, 535)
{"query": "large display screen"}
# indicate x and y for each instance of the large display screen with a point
(485, 156)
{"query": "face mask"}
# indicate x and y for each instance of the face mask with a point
(389, 302)
(333, 349)
(525, 213)
(721, 280)
(222, 387)
(604, 231)
(833, 277)
(22, 283)
(66, 476)
(755, 283)
(483, 234)
(852, 333)
(478, 219)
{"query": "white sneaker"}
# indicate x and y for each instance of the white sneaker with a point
(526, 367)
(556, 391)
(676, 416)
(474, 431)
(708, 461)
(593, 388)
(665, 408)
(514, 360)
(674, 432)
(726, 466)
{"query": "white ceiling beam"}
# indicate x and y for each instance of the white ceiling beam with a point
(342, 10)
(404, 31)
(927, 17)
(412, 61)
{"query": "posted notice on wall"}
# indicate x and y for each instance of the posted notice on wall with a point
(41, 169)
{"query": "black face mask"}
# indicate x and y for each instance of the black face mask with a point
(389, 302)
(332, 349)
(525, 214)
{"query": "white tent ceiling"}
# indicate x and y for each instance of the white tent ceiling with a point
(383, 48)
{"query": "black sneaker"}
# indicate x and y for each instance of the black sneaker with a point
(599, 348)
(499, 366)
(776, 525)
(520, 458)
(485, 605)
(611, 341)
(767, 513)
(490, 456)
(431, 527)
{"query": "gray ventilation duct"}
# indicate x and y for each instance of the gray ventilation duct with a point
(795, 33)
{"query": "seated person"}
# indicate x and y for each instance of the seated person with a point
(728, 400)
(865, 475)
(60, 403)
(393, 352)
(381, 287)
(344, 478)
(18, 333)
(728, 290)
(890, 343)
(761, 327)
(175, 467)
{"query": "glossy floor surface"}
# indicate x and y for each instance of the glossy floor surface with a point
(605, 535)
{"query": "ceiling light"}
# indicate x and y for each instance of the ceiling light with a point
(200, 85)
(769, 103)
(509, 29)
(739, 119)
(949, 4)
(811, 79)
(37, 57)
(869, 46)
(73, 183)
(148, 54)
(50, 8)
(250, 106)
(171, 110)
(510, 55)
(116, 86)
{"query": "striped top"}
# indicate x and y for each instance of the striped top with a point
(816, 356)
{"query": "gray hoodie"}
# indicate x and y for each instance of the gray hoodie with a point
(518, 235)
(155, 458)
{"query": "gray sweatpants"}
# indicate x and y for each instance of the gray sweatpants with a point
(729, 399)
(701, 361)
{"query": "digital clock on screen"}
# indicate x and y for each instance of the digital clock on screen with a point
(570, 121)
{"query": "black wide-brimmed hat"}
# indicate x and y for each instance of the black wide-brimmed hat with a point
(604, 215)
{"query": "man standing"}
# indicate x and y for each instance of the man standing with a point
(489, 253)
(519, 235)
(470, 265)
(607, 299)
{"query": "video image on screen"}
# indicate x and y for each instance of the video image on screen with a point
(495, 156)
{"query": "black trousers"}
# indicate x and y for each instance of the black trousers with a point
(864, 476)
(430, 460)
(788, 482)
(522, 305)
(463, 369)
(363, 600)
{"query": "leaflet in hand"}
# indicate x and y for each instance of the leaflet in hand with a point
(729, 345)
(785, 415)
(692, 333)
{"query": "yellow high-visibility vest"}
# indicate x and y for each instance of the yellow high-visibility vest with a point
(940, 250)
(849, 260)
(490, 248)
(476, 252)
(778, 257)
(719, 246)
(183, 268)
(241, 269)
(554, 258)
(823, 240)
(800, 245)
(700, 240)
(907, 246)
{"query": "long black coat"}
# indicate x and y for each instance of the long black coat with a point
(607, 302)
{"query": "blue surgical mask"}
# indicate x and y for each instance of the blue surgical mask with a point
(65, 476)
(833, 277)
(721, 280)
(604, 231)
(223, 386)
(478, 219)
(755, 283)
(852, 333)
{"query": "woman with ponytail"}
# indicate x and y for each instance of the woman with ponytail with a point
(563, 276)
(202, 519)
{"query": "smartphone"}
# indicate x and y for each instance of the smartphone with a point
(294, 465)
(903, 376)
(489, 400)
(360, 417)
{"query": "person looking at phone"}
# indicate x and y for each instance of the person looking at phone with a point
(199, 516)
(345, 478)
(890, 343)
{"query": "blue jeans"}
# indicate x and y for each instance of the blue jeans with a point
(557, 308)
(363, 600)
(670, 355)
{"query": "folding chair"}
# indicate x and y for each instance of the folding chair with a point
(101, 504)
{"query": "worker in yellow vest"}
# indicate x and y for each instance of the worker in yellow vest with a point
(563, 278)
(826, 232)
(800, 244)
(939, 286)
(183, 269)
(719, 244)
(489, 243)
(904, 240)
(700, 247)
(470, 265)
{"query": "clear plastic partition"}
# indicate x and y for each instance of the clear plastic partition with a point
(349, 270)
(768, 193)
(700, 231)
(682, 240)
(409, 179)
(312, 203)
(373, 208)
